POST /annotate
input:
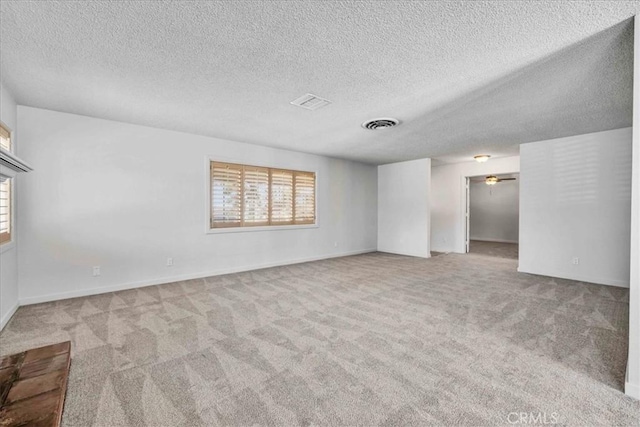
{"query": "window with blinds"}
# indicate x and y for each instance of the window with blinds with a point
(5, 192)
(248, 196)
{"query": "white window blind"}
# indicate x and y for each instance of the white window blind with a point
(226, 195)
(281, 197)
(5, 192)
(305, 191)
(246, 196)
(5, 138)
(256, 196)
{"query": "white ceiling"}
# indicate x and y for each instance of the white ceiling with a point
(463, 77)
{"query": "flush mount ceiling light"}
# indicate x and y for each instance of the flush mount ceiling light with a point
(481, 158)
(382, 123)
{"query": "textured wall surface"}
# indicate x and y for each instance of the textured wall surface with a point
(463, 77)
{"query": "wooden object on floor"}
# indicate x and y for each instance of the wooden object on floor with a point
(33, 385)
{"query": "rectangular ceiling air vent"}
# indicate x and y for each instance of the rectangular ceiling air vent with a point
(311, 102)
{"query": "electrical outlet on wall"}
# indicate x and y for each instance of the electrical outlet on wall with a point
(96, 271)
(169, 262)
(575, 260)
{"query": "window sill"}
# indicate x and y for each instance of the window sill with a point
(261, 228)
(4, 247)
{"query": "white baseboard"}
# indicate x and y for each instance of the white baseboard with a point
(632, 390)
(493, 240)
(160, 281)
(597, 280)
(5, 319)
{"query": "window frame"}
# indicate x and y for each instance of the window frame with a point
(244, 229)
(7, 239)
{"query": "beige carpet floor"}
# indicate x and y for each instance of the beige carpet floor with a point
(375, 339)
(497, 249)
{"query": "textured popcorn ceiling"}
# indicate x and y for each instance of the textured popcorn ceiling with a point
(463, 77)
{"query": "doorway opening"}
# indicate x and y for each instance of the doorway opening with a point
(493, 215)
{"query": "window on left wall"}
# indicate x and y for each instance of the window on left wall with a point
(5, 192)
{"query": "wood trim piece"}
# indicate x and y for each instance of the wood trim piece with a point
(5, 238)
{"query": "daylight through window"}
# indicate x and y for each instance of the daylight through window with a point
(5, 192)
(247, 196)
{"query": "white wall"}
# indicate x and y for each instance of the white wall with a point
(448, 199)
(127, 197)
(632, 385)
(575, 201)
(8, 252)
(403, 207)
(494, 211)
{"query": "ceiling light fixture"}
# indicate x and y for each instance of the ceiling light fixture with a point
(491, 180)
(481, 158)
(383, 123)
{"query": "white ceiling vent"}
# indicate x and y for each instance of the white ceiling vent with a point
(311, 102)
(382, 123)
